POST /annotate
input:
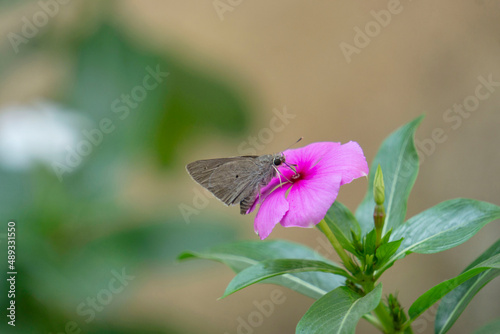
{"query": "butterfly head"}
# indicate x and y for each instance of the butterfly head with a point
(278, 159)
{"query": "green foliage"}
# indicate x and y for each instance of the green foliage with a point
(374, 250)
(385, 252)
(338, 311)
(444, 226)
(398, 159)
(436, 293)
(370, 243)
(492, 327)
(271, 268)
(454, 303)
(343, 224)
(238, 256)
(397, 313)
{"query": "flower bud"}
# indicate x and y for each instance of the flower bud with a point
(379, 197)
(379, 187)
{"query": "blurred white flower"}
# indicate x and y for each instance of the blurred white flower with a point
(37, 133)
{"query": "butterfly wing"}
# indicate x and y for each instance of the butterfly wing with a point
(248, 201)
(263, 176)
(201, 170)
(234, 181)
(228, 179)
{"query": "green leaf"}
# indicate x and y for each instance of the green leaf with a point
(492, 327)
(399, 161)
(444, 226)
(454, 303)
(241, 255)
(437, 292)
(271, 268)
(370, 243)
(385, 251)
(341, 221)
(385, 239)
(338, 311)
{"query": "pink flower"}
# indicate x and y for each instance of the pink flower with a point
(304, 200)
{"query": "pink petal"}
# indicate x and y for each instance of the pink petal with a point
(308, 156)
(309, 200)
(323, 167)
(271, 211)
(265, 191)
(347, 160)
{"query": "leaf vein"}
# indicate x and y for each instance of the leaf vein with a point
(287, 276)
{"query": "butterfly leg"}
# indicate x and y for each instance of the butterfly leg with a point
(292, 168)
(280, 174)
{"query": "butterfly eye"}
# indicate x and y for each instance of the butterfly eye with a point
(277, 161)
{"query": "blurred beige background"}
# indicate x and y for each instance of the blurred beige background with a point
(287, 54)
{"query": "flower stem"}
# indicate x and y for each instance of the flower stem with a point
(336, 245)
(379, 218)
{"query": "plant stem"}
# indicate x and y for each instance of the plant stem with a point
(406, 328)
(379, 219)
(381, 312)
(336, 245)
(374, 321)
(378, 232)
(384, 318)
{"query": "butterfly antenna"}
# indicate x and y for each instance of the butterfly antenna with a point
(294, 143)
